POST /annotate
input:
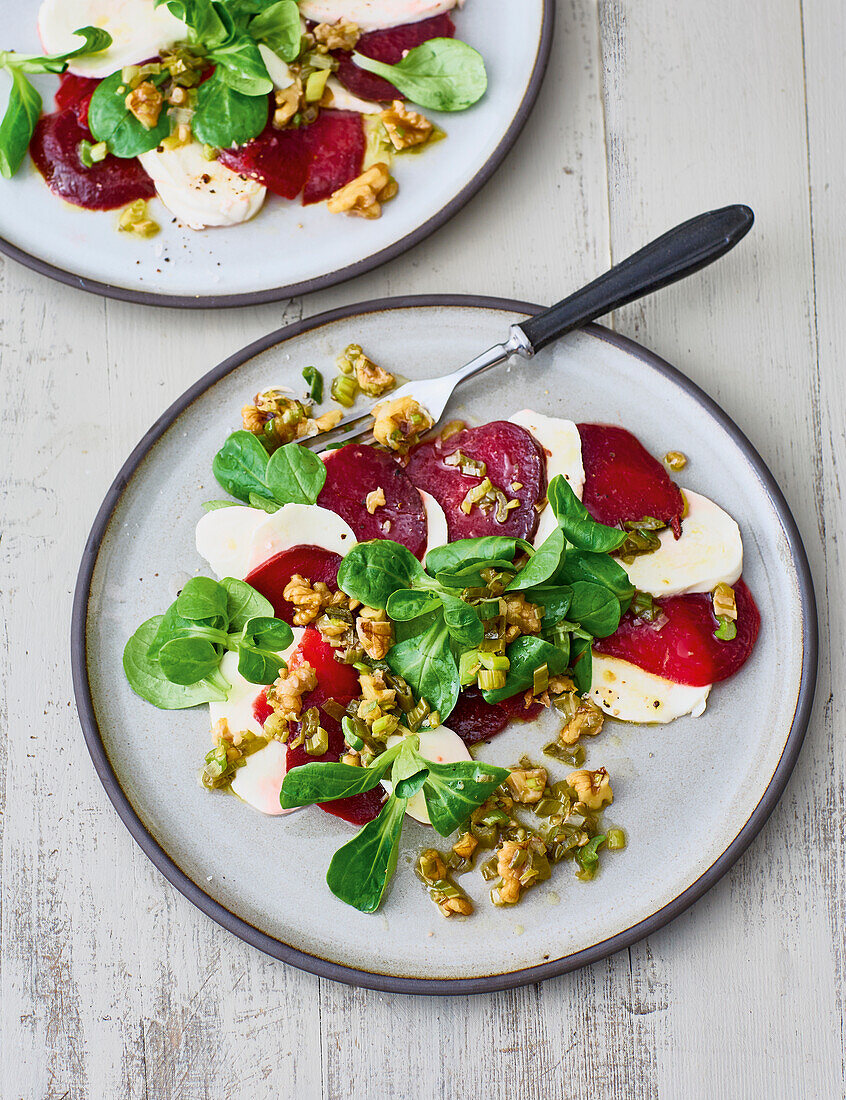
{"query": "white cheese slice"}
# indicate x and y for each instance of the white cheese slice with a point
(441, 746)
(343, 100)
(236, 540)
(436, 523)
(630, 693)
(259, 780)
(562, 445)
(373, 15)
(200, 192)
(710, 551)
(139, 31)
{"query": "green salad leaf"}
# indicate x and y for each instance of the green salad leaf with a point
(361, 870)
(110, 120)
(443, 74)
(224, 116)
(578, 525)
(278, 26)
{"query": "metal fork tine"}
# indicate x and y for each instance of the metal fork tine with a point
(344, 432)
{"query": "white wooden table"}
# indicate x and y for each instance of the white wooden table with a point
(113, 986)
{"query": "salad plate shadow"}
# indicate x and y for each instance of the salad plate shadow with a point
(691, 794)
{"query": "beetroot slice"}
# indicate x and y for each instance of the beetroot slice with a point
(389, 46)
(316, 159)
(76, 92)
(279, 159)
(684, 649)
(312, 562)
(337, 143)
(111, 183)
(511, 456)
(338, 682)
(475, 720)
(356, 470)
(623, 481)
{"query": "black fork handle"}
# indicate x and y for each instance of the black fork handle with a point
(681, 251)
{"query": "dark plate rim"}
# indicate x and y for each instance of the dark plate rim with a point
(321, 282)
(385, 982)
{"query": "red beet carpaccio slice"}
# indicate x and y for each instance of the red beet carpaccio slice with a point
(112, 183)
(623, 481)
(337, 144)
(316, 160)
(474, 720)
(512, 457)
(279, 159)
(338, 682)
(271, 577)
(389, 46)
(76, 92)
(684, 649)
(356, 470)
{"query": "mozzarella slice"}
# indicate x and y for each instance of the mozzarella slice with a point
(630, 693)
(138, 29)
(441, 746)
(373, 15)
(710, 551)
(236, 540)
(202, 192)
(343, 100)
(277, 70)
(436, 523)
(562, 445)
(259, 780)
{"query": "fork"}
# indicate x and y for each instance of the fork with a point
(680, 252)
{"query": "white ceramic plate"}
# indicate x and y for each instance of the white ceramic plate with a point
(287, 249)
(718, 776)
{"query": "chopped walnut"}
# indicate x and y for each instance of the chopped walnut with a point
(285, 695)
(456, 907)
(398, 424)
(288, 101)
(145, 103)
(587, 721)
(373, 380)
(376, 637)
(405, 128)
(374, 500)
(592, 787)
(522, 615)
(527, 784)
(465, 846)
(509, 892)
(276, 412)
(309, 601)
(364, 195)
(337, 36)
(328, 420)
(374, 688)
(725, 603)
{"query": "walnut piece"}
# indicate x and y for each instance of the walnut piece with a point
(373, 380)
(405, 128)
(364, 195)
(374, 632)
(337, 36)
(309, 601)
(527, 784)
(285, 695)
(592, 787)
(465, 846)
(398, 424)
(725, 602)
(288, 101)
(145, 102)
(587, 721)
(374, 500)
(509, 892)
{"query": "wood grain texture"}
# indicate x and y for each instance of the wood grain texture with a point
(113, 986)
